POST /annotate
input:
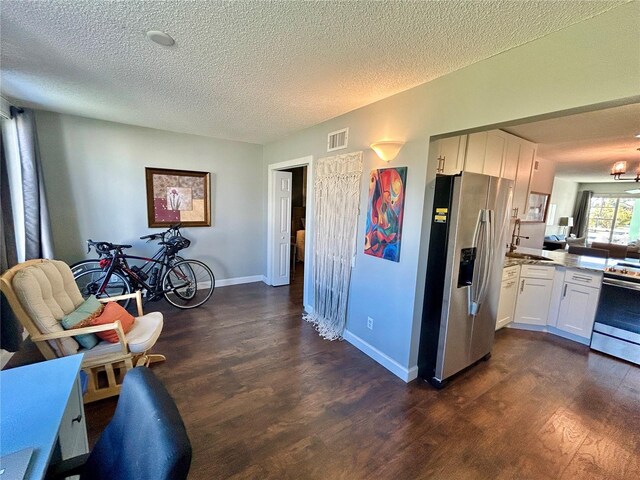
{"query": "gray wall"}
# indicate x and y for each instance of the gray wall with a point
(582, 65)
(95, 184)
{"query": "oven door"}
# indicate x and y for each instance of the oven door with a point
(616, 330)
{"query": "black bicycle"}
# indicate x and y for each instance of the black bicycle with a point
(93, 263)
(183, 283)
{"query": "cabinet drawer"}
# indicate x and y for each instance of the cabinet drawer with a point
(510, 273)
(583, 277)
(537, 271)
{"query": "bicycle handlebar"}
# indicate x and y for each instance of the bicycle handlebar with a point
(104, 248)
(155, 236)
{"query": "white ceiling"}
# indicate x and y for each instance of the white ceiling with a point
(251, 70)
(585, 146)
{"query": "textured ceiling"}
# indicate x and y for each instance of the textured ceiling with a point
(585, 146)
(250, 70)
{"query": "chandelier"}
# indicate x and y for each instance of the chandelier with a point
(620, 168)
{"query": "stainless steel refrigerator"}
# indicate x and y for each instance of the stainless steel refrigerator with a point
(469, 229)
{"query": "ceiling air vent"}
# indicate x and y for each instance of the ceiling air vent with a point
(337, 140)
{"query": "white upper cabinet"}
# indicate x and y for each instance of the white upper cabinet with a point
(476, 148)
(526, 158)
(451, 153)
(510, 163)
(496, 153)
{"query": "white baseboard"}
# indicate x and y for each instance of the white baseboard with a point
(239, 280)
(383, 359)
(550, 329)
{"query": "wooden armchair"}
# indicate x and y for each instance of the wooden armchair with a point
(40, 292)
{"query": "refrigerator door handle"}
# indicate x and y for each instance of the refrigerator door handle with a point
(485, 257)
(471, 292)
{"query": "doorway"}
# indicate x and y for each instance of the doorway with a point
(290, 226)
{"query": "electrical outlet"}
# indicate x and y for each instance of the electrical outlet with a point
(370, 323)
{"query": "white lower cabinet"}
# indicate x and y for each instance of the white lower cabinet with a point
(578, 309)
(507, 305)
(561, 301)
(534, 296)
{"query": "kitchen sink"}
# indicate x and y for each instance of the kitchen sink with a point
(527, 256)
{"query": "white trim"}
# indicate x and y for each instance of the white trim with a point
(552, 330)
(239, 280)
(296, 162)
(383, 359)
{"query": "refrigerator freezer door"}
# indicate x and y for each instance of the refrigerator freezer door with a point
(484, 323)
(470, 195)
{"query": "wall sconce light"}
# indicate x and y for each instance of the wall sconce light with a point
(387, 150)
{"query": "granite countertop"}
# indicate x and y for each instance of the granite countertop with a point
(563, 259)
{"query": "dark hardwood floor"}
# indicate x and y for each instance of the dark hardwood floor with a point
(263, 396)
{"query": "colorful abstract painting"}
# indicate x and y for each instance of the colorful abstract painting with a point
(385, 213)
(177, 196)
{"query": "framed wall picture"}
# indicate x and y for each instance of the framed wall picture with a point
(385, 213)
(538, 203)
(178, 196)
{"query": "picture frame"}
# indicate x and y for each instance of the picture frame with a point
(537, 207)
(178, 196)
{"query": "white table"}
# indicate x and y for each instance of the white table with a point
(41, 407)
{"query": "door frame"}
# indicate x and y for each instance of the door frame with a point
(309, 224)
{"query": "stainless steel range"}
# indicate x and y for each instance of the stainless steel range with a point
(616, 330)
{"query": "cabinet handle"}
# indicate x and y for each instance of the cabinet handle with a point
(77, 419)
(522, 286)
(564, 294)
(580, 278)
(441, 161)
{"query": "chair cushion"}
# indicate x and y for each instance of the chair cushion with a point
(48, 292)
(141, 337)
(145, 332)
(81, 317)
(112, 312)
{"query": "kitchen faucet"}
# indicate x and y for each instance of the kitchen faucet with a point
(515, 238)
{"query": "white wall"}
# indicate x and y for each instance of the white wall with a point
(588, 63)
(95, 184)
(564, 198)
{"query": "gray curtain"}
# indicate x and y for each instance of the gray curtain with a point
(581, 214)
(38, 238)
(10, 328)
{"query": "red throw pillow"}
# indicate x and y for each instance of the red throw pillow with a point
(112, 312)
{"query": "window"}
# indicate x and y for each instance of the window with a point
(614, 219)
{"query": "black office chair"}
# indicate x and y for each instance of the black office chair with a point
(145, 440)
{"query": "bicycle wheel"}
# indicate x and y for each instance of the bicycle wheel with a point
(188, 284)
(90, 282)
(84, 265)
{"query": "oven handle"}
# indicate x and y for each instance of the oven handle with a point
(621, 283)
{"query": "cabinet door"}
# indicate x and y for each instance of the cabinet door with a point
(523, 178)
(510, 162)
(578, 309)
(494, 153)
(507, 304)
(532, 306)
(451, 154)
(72, 436)
(476, 149)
